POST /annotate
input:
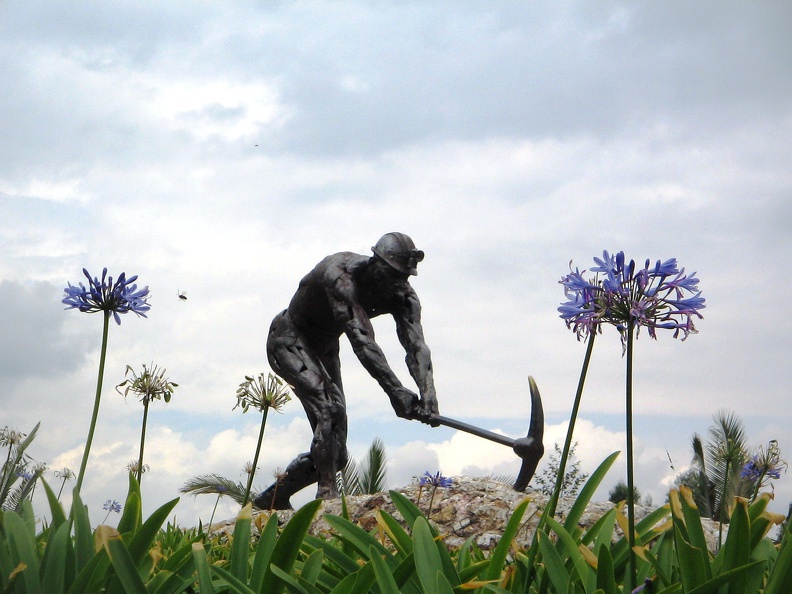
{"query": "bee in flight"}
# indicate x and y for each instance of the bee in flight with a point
(182, 295)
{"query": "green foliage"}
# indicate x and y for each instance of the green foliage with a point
(402, 554)
(573, 477)
(15, 468)
(619, 493)
(69, 557)
(370, 478)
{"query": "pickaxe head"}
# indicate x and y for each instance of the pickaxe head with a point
(529, 448)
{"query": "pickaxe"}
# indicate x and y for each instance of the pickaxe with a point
(529, 448)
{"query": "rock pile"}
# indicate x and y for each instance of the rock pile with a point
(471, 507)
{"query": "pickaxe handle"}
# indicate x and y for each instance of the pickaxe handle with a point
(529, 448)
(477, 431)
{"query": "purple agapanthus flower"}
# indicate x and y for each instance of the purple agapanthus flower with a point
(765, 465)
(111, 505)
(435, 480)
(105, 295)
(655, 296)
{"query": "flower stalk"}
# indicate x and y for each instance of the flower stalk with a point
(108, 297)
(262, 394)
(97, 399)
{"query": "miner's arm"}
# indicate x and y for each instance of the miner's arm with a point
(356, 324)
(419, 359)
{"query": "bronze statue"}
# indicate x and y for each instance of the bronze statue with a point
(340, 296)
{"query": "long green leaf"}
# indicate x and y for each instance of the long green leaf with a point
(295, 585)
(606, 579)
(237, 585)
(355, 535)
(288, 546)
(587, 492)
(385, 581)
(398, 536)
(694, 567)
(427, 558)
(83, 535)
(240, 547)
(132, 515)
(266, 544)
(569, 546)
(122, 563)
(202, 567)
(143, 539)
(736, 550)
(734, 576)
(56, 509)
(556, 571)
(54, 566)
(23, 550)
(406, 508)
(498, 557)
(780, 579)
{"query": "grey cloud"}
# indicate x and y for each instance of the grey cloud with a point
(33, 342)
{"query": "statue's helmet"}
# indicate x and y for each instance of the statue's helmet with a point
(398, 250)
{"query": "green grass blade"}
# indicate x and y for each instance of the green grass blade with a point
(693, 564)
(22, 547)
(731, 577)
(780, 579)
(132, 515)
(498, 557)
(407, 509)
(355, 535)
(287, 548)
(237, 585)
(385, 581)
(240, 547)
(312, 567)
(398, 536)
(264, 548)
(345, 563)
(736, 550)
(427, 558)
(122, 561)
(83, 535)
(56, 509)
(54, 567)
(587, 492)
(143, 539)
(606, 578)
(568, 546)
(202, 568)
(554, 564)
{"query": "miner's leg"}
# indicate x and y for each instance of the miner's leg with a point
(300, 473)
(292, 359)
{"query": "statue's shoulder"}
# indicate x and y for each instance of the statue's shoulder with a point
(337, 266)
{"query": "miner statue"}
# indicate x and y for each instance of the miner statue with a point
(340, 296)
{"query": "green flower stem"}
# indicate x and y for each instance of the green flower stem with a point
(256, 457)
(630, 475)
(98, 397)
(142, 440)
(552, 503)
(214, 509)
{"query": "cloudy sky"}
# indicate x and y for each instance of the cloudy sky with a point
(223, 149)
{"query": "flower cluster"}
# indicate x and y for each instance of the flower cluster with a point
(117, 297)
(261, 393)
(150, 385)
(658, 296)
(111, 505)
(435, 480)
(767, 464)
